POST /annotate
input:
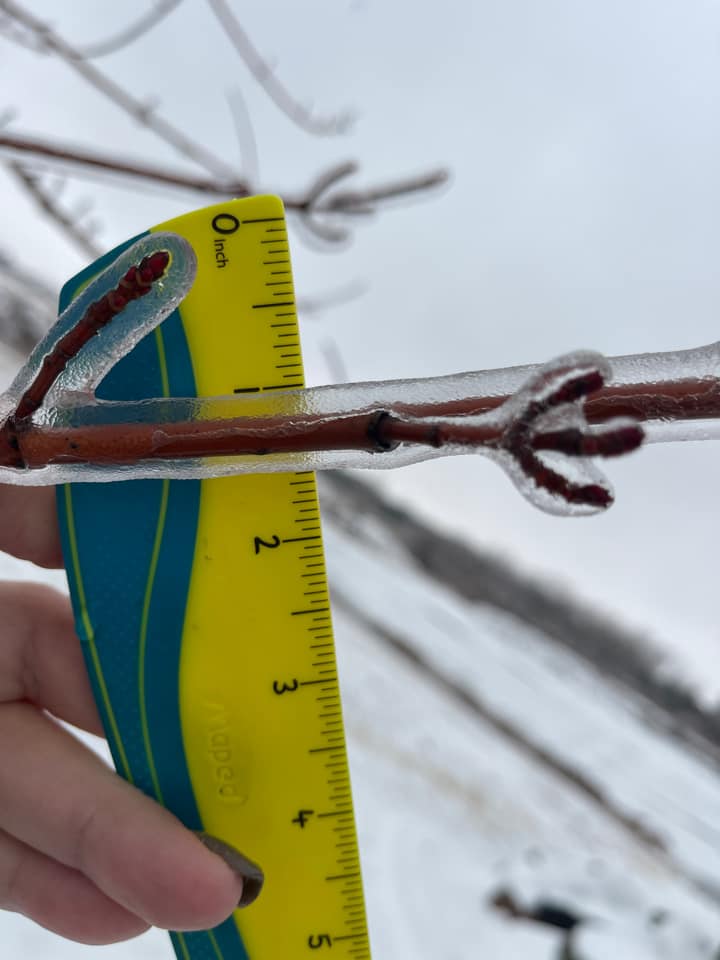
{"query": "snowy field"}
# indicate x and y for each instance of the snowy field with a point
(486, 760)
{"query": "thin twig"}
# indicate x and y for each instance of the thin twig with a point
(138, 110)
(66, 154)
(245, 134)
(266, 77)
(362, 201)
(325, 181)
(318, 198)
(47, 203)
(131, 33)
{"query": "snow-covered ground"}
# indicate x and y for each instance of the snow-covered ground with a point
(487, 760)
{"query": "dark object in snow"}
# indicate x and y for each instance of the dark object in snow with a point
(546, 912)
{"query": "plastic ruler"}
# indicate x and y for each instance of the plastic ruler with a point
(204, 612)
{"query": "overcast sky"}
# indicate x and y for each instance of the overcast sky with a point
(584, 145)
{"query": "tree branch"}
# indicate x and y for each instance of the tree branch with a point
(317, 199)
(135, 108)
(46, 202)
(266, 77)
(144, 24)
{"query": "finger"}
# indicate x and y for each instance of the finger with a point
(30, 528)
(40, 655)
(58, 797)
(59, 898)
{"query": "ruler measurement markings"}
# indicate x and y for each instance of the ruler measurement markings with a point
(302, 496)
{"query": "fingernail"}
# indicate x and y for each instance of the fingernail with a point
(251, 874)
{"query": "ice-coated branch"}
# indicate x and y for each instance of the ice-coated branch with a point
(541, 423)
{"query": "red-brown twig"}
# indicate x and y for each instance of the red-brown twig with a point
(518, 435)
(549, 413)
(136, 283)
(527, 424)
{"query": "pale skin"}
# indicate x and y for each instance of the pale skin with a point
(81, 851)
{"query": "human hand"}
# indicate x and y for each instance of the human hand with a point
(82, 852)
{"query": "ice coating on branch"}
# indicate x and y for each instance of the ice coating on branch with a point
(136, 319)
(549, 405)
(529, 420)
(551, 400)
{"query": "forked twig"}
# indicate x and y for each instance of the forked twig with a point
(515, 434)
(547, 419)
(319, 198)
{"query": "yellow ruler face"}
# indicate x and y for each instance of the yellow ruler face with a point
(258, 693)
